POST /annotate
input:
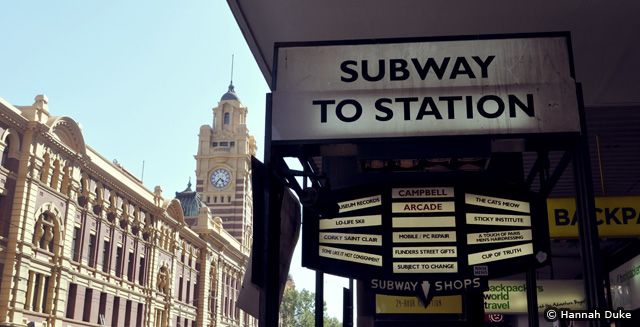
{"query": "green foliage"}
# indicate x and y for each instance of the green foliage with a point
(331, 322)
(297, 310)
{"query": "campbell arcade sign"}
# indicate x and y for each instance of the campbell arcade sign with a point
(423, 231)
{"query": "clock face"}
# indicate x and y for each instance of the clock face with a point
(220, 178)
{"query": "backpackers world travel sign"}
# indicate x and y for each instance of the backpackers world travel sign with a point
(401, 89)
(424, 232)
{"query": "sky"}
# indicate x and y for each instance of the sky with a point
(140, 77)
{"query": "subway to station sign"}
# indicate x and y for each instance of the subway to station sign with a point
(427, 232)
(460, 87)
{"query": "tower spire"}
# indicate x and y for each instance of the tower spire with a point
(231, 82)
(231, 93)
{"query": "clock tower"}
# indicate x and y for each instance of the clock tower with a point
(223, 167)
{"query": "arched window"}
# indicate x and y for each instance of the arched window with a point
(226, 118)
(11, 148)
(5, 155)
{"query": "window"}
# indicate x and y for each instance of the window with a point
(215, 199)
(214, 144)
(75, 245)
(5, 155)
(71, 300)
(92, 250)
(224, 143)
(130, 266)
(141, 276)
(118, 260)
(180, 289)
(195, 294)
(139, 314)
(103, 306)
(87, 305)
(188, 297)
(208, 199)
(127, 312)
(226, 118)
(116, 311)
(105, 255)
(232, 143)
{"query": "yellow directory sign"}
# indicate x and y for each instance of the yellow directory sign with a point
(616, 216)
(391, 304)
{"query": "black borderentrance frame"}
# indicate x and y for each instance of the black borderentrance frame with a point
(574, 145)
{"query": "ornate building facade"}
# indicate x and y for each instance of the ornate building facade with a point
(84, 243)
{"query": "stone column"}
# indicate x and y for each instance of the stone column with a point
(78, 311)
(12, 290)
(109, 309)
(204, 288)
(30, 285)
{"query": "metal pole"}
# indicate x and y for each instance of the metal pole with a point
(347, 308)
(532, 298)
(351, 289)
(588, 231)
(347, 305)
(532, 285)
(270, 295)
(319, 298)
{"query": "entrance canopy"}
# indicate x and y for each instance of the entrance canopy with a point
(604, 34)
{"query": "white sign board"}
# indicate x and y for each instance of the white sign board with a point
(424, 237)
(497, 220)
(625, 285)
(500, 254)
(500, 236)
(462, 87)
(425, 267)
(357, 204)
(348, 238)
(349, 222)
(349, 255)
(497, 203)
(422, 192)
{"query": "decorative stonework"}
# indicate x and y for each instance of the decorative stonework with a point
(163, 281)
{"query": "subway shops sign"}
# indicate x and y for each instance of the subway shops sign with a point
(427, 233)
(424, 88)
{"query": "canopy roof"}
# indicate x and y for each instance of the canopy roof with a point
(604, 34)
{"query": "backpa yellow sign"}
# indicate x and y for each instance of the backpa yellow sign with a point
(616, 216)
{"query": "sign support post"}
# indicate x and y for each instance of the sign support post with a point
(585, 209)
(532, 287)
(319, 305)
(270, 296)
